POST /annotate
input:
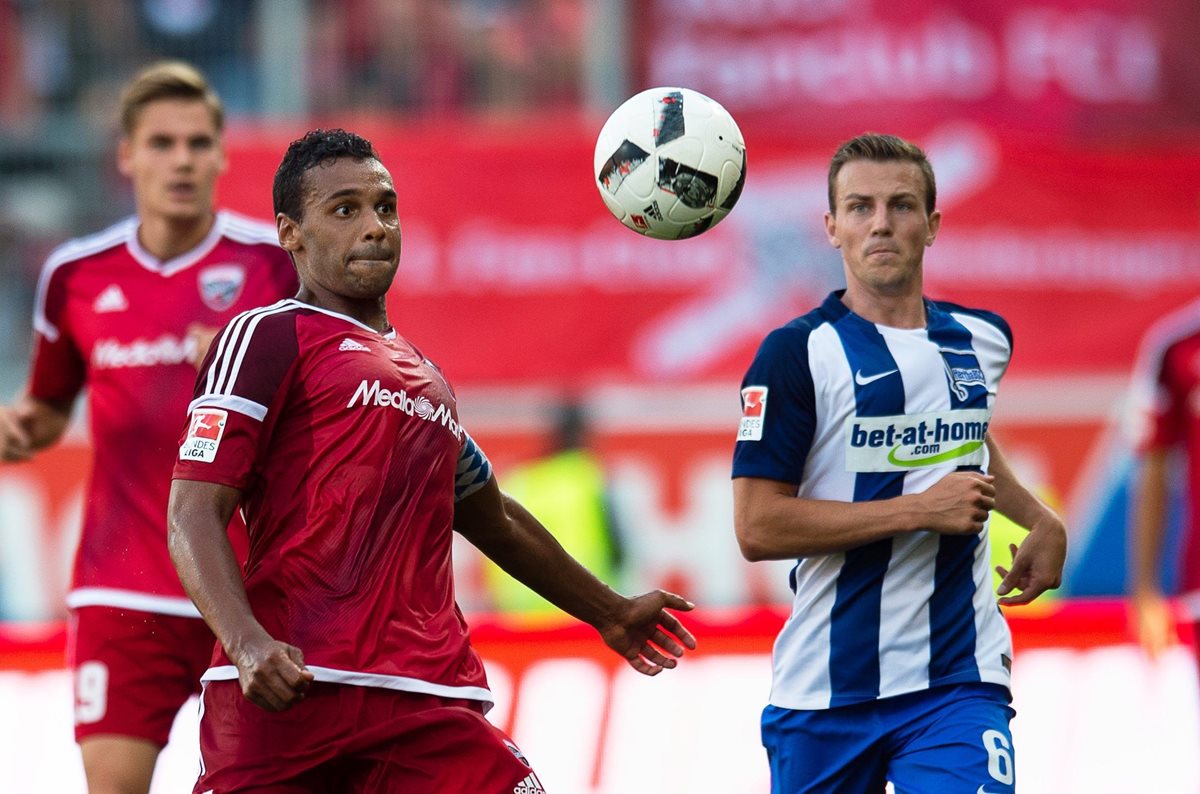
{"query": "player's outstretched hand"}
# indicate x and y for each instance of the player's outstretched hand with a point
(1154, 622)
(646, 634)
(959, 503)
(1037, 564)
(272, 674)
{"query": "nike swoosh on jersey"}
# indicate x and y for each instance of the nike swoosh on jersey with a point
(863, 381)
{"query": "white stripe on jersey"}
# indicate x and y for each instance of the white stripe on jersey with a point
(128, 599)
(71, 251)
(248, 230)
(223, 369)
(232, 402)
(395, 682)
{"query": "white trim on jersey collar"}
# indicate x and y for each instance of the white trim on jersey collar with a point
(184, 260)
(391, 334)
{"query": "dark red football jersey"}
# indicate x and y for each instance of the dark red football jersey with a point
(346, 446)
(1167, 388)
(112, 317)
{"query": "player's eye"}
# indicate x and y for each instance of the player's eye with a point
(386, 208)
(342, 210)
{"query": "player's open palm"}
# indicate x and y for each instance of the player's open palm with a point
(646, 634)
(272, 674)
(959, 503)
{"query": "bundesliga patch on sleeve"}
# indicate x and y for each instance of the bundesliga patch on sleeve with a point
(754, 411)
(204, 435)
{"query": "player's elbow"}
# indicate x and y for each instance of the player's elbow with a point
(751, 538)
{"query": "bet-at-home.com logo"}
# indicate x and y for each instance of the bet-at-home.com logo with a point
(902, 443)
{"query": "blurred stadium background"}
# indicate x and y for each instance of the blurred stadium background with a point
(1065, 134)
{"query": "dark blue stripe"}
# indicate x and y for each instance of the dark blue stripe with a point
(951, 608)
(857, 607)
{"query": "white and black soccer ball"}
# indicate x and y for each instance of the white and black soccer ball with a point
(670, 163)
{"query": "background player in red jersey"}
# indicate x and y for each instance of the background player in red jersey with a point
(341, 443)
(128, 312)
(1167, 386)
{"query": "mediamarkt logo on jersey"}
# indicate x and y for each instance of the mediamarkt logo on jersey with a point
(166, 349)
(421, 407)
(900, 443)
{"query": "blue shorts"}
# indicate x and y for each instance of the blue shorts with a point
(950, 738)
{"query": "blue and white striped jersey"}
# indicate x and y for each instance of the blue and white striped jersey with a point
(853, 411)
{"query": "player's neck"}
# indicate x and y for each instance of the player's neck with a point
(370, 312)
(900, 309)
(167, 238)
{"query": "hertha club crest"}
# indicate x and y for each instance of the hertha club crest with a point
(221, 285)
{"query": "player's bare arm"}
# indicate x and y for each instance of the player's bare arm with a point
(1152, 616)
(30, 425)
(640, 629)
(772, 523)
(1037, 564)
(202, 337)
(271, 673)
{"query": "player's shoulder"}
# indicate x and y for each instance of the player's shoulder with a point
(794, 334)
(1174, 329)
(91, 245)
(246, 230)
(985, 316)
(266, 324)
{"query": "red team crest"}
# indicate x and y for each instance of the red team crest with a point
(754, 410)
(221, 285)
(204, 435)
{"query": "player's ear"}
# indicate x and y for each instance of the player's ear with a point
(935, 223)
(289, 233)
(124, 156)
(831, 230)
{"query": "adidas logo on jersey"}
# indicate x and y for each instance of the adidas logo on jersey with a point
(112, 299)
(350, 344)
(530, 785)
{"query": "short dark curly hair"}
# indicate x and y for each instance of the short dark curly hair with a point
(317, 147)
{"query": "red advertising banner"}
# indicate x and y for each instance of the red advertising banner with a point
(1084, 68)
(513, 272)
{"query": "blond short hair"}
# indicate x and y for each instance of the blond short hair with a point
(167, 80)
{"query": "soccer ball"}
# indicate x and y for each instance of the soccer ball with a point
(670, 163)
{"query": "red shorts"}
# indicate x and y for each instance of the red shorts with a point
(344, 738)
(133, 670)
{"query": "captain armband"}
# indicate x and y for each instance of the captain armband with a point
(473, 471)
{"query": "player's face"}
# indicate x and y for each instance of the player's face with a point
(347, 246)
(881, 225)
(173, 157)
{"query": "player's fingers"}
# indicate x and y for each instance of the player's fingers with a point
(657, 657)
(262, 696)
(667, 643)
(299, 677)
(644, 667)
(673, 625)
(673, 601)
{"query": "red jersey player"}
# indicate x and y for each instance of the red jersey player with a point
(128, 313)
(341, 443)
(1168, 389)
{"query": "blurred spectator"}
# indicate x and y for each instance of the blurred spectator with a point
(567, 491)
